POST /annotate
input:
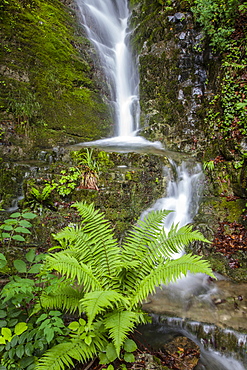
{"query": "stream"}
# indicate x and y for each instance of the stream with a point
(106, 25)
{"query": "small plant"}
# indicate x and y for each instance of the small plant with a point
(209, 165)
(15, 227)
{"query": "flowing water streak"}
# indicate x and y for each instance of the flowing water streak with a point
(106, 24)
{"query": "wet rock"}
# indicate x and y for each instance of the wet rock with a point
(183, 353)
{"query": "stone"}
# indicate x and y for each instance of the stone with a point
(183, 353)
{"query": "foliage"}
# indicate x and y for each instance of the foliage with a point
(13, 228)
(107, 282)
(25, 337)
(217, 18)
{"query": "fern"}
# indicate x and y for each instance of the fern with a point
(167, 272)
(107, 282)
(98, 301)
(63, 354)
(119, 324)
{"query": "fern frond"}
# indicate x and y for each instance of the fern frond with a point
(96, 302)
(119, 324)
(177, 238)
(144, 233)
(167, 272)
(63, 354)
(104, 251)
(69, 266)
(64, 298)
(67, 236)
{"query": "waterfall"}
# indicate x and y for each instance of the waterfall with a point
(106, 24)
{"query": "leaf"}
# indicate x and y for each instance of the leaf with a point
(25, 223)
(88, 340)
(120, 323)
(42, 318)
(55, 313)
(35, 269)
(30, 255)
(49, 334)
(111, 352)
(3, 261)
(5, 235)
(130, 345)
(110, 367)
(103, 358)
(7, 227)
(6, 333)
(20, 328)
(23, 230)
(3, 323)
(98, 301)
(3, 314)
(29, 215)
(20, 266)
(20, 350)
(2, 340)
(26, 361)
(74, 325)
(15, 215)
(129, 357)
(19, 238)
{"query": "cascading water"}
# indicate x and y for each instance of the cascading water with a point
(106, 24)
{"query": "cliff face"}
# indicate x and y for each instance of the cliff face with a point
(49, 88)
(173, 74)
(193, 99)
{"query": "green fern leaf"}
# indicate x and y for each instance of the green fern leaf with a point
(167, 272)
(105, 255)
(98, 301)
(119, 324)
(63, 354)
(69, 266)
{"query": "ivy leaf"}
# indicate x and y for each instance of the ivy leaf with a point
(20, 266)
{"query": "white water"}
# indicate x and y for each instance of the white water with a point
(106, 24)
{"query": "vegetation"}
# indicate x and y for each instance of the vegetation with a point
(46, 77)
(97, 283)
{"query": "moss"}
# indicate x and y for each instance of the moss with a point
(47, 75)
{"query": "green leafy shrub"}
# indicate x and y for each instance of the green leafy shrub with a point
(217, 18)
